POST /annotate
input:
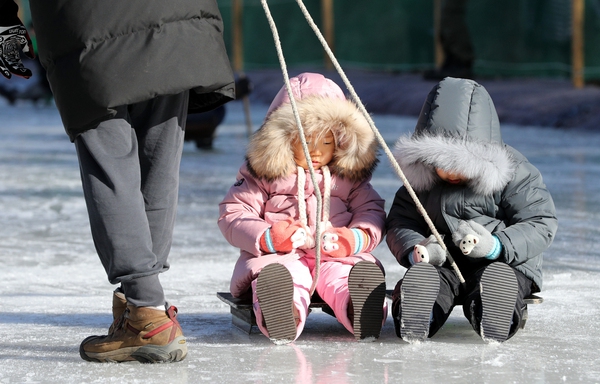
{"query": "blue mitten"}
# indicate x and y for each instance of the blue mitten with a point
(428, 251)
(476, 241)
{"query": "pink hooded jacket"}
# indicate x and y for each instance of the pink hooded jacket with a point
(267, 185)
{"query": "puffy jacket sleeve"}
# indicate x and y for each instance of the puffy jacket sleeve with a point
(241, 213)
(531, 216)
(405, 227)
(368, 212)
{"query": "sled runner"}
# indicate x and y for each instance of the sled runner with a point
(242, 315)
(531, 299)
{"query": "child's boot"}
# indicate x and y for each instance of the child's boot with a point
(275, 293)
(145, 334)
(366, 284)
(499, 289)
(412, 310)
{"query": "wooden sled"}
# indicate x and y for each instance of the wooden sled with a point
(242, 315)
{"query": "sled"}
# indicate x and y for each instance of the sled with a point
(242, 315)
(531, 299)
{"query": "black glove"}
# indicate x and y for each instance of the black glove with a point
(13, 39)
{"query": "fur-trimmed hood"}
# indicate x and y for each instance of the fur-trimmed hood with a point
(458, 130)
(321, 105)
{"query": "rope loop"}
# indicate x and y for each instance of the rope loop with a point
(363, 110)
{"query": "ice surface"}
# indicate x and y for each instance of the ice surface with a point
(54, 292)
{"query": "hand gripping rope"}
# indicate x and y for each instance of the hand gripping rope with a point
(362, 108)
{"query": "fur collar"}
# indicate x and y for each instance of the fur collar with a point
(270, 155)
(489, 166)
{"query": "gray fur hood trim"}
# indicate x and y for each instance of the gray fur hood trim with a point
(488, 166)
(270, 154)
(457, 131)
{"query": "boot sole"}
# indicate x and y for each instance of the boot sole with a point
(175, 351)
(366, 284)
(498, 302)
(418, 292)
(275, 293)
(170, 353)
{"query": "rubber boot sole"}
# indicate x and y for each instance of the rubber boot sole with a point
(499, 289)
(366, 284)
(275, 293)
(419, 290)
(170, 353)
(116, 356)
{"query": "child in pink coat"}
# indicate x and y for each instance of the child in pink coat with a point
(270, 214)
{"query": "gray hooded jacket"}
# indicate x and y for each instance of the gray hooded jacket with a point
(458, 130)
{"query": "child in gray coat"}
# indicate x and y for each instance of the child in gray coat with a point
(488, 203)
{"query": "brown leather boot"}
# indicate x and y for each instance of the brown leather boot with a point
(119, 305)
(144, 334)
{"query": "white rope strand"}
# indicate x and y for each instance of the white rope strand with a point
(386, 149)
(288, 87)
(301, 197)
(326, 193)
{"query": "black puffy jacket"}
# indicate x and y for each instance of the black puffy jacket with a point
(103, 54)
(8, 13)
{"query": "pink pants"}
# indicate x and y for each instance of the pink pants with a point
(332, 287)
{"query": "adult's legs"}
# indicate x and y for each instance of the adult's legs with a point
(160, 137)
(454, 34)
(455, 41)
(129, 169)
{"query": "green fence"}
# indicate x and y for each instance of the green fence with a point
(510, 37)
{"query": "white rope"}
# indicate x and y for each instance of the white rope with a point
(288, 87)
(301, 198)
(326, 194)
(386, 149)
(362, 108)
(302, 211)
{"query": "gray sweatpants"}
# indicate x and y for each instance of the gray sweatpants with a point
(130, 174)
(454, 33)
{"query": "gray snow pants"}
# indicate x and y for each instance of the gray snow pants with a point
(130, 174)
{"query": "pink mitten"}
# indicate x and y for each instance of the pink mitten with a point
(343, 242)
(283, 236)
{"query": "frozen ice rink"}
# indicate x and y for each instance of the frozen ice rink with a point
(54, 292)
